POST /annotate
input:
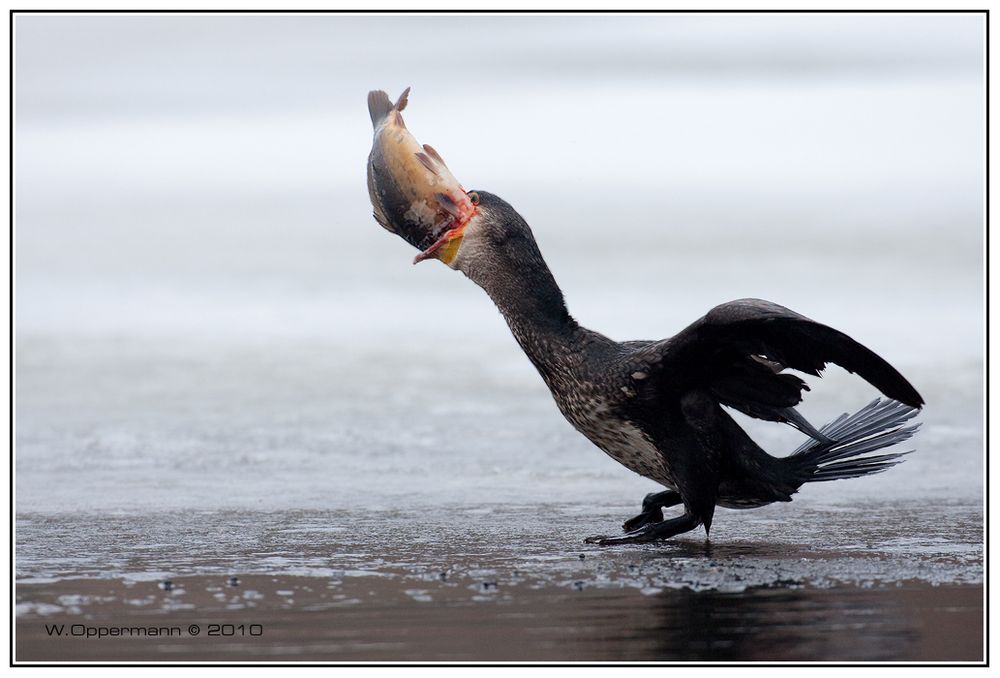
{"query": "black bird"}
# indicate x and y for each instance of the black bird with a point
(654, 406)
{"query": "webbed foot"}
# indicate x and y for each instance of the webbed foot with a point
(645, 518)
(665, 529)
(637, 537)
(652, 509)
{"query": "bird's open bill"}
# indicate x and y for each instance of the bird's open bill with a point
(413, 193)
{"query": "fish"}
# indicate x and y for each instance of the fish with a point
(413, 193)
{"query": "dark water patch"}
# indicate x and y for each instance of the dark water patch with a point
(380, 619)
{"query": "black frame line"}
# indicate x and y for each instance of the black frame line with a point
(444, 12)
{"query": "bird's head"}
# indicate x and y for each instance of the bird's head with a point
(496, 239)
(497, 250)
(415, 196)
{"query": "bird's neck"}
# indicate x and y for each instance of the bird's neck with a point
(532, 304)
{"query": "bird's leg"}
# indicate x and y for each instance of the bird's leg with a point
(664, 529)
(652, 509)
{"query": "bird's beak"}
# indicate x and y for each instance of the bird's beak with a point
(445, 249)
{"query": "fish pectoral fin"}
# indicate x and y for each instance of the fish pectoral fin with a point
(426, 161)
(434, 154)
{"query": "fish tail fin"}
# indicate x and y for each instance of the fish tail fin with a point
(403, 99)
(380, 106)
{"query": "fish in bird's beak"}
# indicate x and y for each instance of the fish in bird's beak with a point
(413, 193)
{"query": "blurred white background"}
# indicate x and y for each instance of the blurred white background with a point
(206, 313)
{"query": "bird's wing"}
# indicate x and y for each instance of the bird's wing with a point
(738, 349)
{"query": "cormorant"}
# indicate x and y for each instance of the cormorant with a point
(654, 406)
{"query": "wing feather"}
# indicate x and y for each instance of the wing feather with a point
(736, 348)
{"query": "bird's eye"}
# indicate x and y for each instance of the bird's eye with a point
(474, 197)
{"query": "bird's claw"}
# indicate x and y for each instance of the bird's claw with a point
(645, 518)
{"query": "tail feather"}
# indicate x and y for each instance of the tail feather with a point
(869, 419)
(878, 425)
(852, 468)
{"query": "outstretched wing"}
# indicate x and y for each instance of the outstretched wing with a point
(738, 350)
